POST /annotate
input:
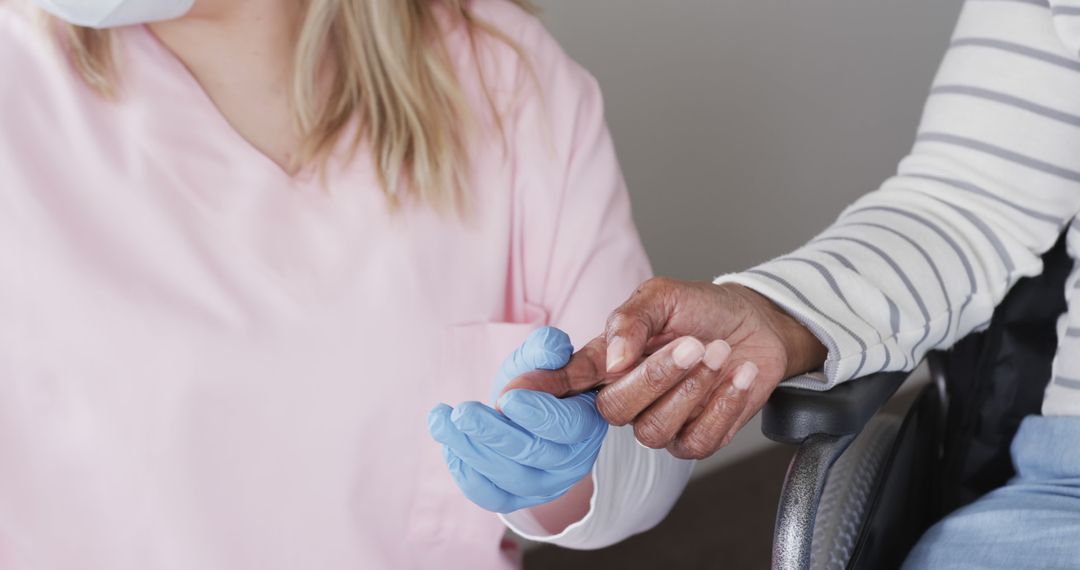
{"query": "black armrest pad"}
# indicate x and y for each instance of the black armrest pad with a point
(793, 414)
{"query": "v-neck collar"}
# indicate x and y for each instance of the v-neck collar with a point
(220, 124)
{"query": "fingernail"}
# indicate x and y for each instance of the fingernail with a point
(716, 353)
(434, 417)
(616, 353)
(687, 353)
(745, 375)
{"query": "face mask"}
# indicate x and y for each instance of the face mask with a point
(114, 13)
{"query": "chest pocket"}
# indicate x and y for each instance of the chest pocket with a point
(471, 355)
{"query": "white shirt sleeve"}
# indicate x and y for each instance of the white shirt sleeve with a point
(583, 257)
(634, 488)
(993, 179)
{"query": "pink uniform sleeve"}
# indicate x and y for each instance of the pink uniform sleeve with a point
(582, 257)
(582, 252)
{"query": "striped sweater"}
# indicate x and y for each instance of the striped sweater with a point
(991, 182)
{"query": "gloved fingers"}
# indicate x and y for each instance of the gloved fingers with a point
(509, 475)
(479, 489)
(660, 423)
(582, 373)
(566, 420)
(621, 401)
(712, 429)
(546, 348)
(485, 426)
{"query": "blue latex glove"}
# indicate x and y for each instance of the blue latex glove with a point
(536, 449)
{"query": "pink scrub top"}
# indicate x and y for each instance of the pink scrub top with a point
(207, 364)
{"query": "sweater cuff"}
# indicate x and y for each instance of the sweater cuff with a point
(812, 307)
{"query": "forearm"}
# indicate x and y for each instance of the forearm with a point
(570, 508)
(988, 187)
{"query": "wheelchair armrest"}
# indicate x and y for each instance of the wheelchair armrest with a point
(794, 414)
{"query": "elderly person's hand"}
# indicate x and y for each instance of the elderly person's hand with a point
(687, 363)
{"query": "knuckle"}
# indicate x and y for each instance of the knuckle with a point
(697, 445)
(612, 408)
(723, 408)
(648, 284)
(661, 282)
(651, 432)
(691, 387)
(615, 319)
(592, 354)
(655, 286)
(625, 322)
(656, 377)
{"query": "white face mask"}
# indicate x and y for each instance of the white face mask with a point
(114, 13)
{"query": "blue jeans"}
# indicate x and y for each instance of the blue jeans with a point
(1031, 522)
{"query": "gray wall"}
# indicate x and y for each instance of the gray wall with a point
(745, 126)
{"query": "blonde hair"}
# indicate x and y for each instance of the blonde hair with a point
(392, 73)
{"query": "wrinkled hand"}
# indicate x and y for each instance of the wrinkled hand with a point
(532, 452)
(707, 358)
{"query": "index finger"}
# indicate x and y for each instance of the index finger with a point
(635, 322)
(622, 401)
(584, 372)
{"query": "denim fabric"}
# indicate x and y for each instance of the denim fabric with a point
(1031, 522)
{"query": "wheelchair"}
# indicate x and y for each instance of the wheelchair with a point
(864, 485)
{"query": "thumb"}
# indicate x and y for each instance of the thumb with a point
(547, 348)
(641, 317)
(569, 420)
(584, 372)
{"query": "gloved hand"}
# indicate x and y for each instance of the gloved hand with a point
(536, 449)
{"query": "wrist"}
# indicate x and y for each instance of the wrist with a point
(568, 509)
(803, 351)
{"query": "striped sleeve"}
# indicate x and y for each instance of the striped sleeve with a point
(991, 182)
